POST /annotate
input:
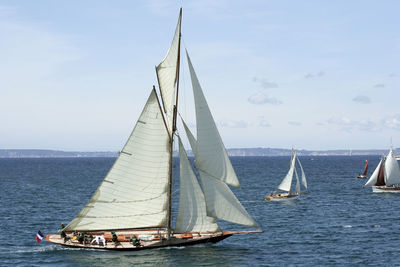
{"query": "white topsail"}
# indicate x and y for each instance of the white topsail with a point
(372, 180)
(167, 75)
(134, 192)
(303, 175)
(211, 155)
(192, 213)
(392, 170)
(286, 183)
(222, 203)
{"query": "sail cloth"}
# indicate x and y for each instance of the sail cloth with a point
(192, 139)
(211, 156)
(134, 192)
(372, 180)
(167, 75)
(303, 175)
(192, 213)
(297, 188)
(392, 170)
(286, 183)
(222, 203)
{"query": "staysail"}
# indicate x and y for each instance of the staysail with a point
(192, 139)
(134, 192)
(297, 188)
(392, 170)
(192, 213)
(286, 183)
(211, 155)
(222, 203)
(167, 72)
(303, 175)
(374, 177)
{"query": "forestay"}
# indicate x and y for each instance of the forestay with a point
(392, 170)
(286, 183)
(372, 180)
(222, 203)
(167, 75)
(192, 213)
(211, 155)
(134, 192)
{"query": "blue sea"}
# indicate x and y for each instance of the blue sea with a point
(337, 223)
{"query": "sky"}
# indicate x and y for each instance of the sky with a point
(75, 75)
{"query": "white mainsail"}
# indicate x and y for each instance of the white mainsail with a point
(372, 180)
(192, 139)
(167, 75)
(211, 155)
(222, 203)
(303, 175)
(192, 213)
(286, 183)
(134, 192)
(392, 170)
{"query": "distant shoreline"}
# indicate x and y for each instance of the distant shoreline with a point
(244, 152)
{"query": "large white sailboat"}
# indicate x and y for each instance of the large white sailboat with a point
(290, 192)
(386, 176)
(131, 209)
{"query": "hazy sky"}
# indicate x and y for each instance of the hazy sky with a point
(74, 75)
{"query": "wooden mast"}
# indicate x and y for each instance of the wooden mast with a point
(174, 117)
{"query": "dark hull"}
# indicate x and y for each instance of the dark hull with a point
(173, 242)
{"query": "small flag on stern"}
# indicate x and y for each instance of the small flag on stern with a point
(39, 236)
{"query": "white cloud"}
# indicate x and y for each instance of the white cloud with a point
(362, 99)
(379, 85)
(265, 83)
(294, 123)
(349, 125)
(261, 98)
(264, 123)
(314, 75)
(233, 124)
(392, 122)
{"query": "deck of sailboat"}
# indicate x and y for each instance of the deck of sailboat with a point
(386, 189)
(282, 197)
(185, 239)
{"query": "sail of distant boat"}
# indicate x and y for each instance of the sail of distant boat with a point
(134, 201)
(287, 185)
(364, 174)
(386, 176)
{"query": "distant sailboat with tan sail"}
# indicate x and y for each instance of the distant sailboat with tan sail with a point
(386, 176)
(364, 174)
(132, 207)
(288, 191)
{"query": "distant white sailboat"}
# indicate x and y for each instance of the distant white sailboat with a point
(131, 209)
(290, 192)
(386, 176)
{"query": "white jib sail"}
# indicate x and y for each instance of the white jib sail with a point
(166, 75)
(286, 183)
(192, 139)
(297, 188)
(211, 156)
(134, 192)
(222, 203)
(303, 175)
(392, 170)
(192, 213)
(372, 180)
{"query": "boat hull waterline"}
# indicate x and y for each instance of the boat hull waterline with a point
(385, 189)
(187, 239)
(282, 197)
